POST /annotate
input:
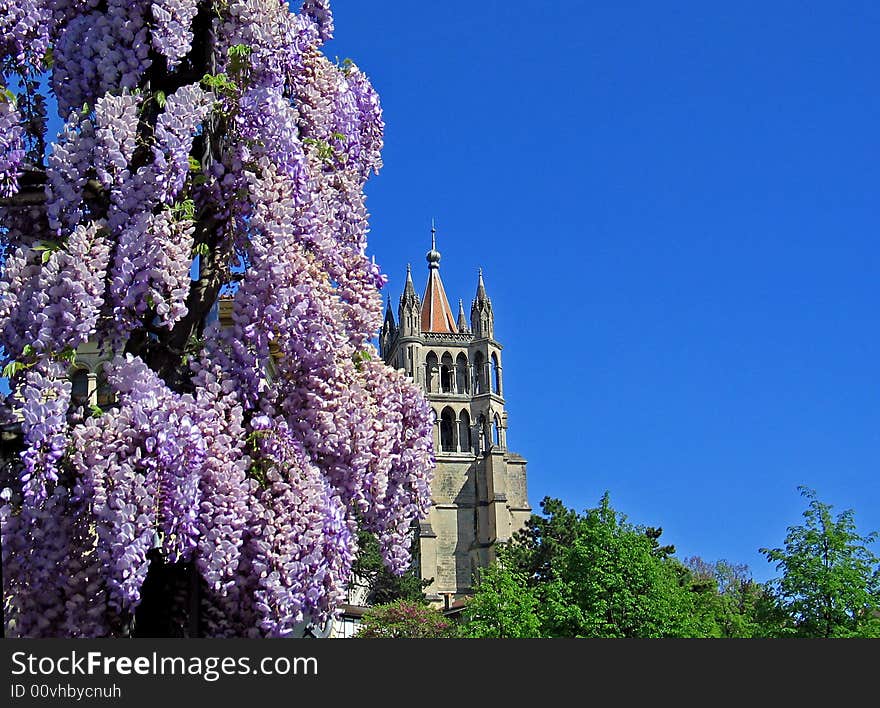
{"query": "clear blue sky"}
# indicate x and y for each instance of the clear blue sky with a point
(676, 209)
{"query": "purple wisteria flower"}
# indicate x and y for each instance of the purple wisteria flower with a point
(204, 149)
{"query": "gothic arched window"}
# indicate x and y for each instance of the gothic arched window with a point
(461, 374)
(464, 432)
(482, 443)
(479, 373)
(447, 373)
(79, 380)
(496, 374)
(432, 373)
(447, 430)
(106, 394)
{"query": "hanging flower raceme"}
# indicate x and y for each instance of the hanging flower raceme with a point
(205, 149)
(172, 34)
(319, 11)
(11, 147)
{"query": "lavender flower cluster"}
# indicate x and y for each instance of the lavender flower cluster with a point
(100, 51)
(24, 31)
(280, 435)
(172, 34)
(11, 147)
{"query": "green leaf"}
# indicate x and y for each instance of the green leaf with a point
(201, 249)
(184, 210)
(338, 136)
(48, 248)
(160, 99)
(360, 357)
(67, 354)
(220, 83)
(239, 51)
(28, 350)
(325, 150)
(12, 368)
(6, 96)
(194, 165)
(97, 411)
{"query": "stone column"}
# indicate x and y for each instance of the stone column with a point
(93, 388)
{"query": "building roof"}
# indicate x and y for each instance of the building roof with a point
(436, 313)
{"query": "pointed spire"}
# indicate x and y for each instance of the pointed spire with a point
(389, 314)
(408, 289)
(481, 287)
(436, 313)
(482, 317)
(462, 320)
(408, 314)
(389, 330)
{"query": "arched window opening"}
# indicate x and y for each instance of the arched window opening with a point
(461, 374)
(447, 430)
(447, 373)
(479, 373)
(496, 432)
(481, 434)
(496, 374)
(464, 432)
(106, 394)
(79, 380)
(432, 373)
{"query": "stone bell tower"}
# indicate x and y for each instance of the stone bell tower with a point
(479, 489)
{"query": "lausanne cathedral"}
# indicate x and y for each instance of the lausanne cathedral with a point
(479, 489)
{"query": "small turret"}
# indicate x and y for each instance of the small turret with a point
(482, 317)
(462, 320)
(389, 330)
(409, 310)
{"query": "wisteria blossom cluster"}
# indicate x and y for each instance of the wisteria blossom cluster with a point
(210, 154)
(11, 147)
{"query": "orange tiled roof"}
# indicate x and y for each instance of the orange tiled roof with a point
(436, 313)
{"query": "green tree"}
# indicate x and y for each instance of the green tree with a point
(384, 587)
(830, 583)
(404, 619)
(537, 548)
(597, 575)
(503, 606)
(729, 602)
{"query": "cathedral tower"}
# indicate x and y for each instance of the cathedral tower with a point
(479, 488)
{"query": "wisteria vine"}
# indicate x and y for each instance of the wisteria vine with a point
(211, 159)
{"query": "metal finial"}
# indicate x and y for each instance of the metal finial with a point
(433, 255)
